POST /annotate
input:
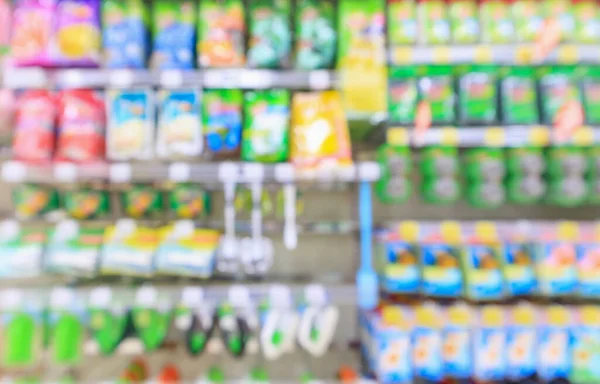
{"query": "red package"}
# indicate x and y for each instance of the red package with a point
(34, 126)
(80, 126)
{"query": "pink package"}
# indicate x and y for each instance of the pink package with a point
(32, 30)
(5, 20)
(76, 35)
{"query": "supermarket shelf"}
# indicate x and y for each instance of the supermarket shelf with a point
(503, 136)
(16, 172)
(23, 78)
(485, 53)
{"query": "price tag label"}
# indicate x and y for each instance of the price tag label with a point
(449, 136)
(568, 54)
(568, 231)
(14, 172)
(239, 296)
(539, 136)
(62, 298)
(280, 296)
(101, 297)
(121, 78)
(495, 137)
(73, 78)
(486, 231)
(483, 54)
(451, 232)
(192, 297)
(409, 231)
(315, 295)
(319, 80)
(284, 173)
(403, 55)
(65, 172)
(180, 172)
(397, 136)
(523, 55)
(254, 172)
(257, 79)
(583, 136)
(441, 55)
(171, 78)
(146, 297)
(11, 299)
(120, 173)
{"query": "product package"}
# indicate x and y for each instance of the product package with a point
(319, 131)
(528, 19)
(403, 95)
(554, 343)
(478, 95)
(394, 186)
(489, 344)
(125, 33)
(521, 342)
(588, 258)
(270, 40)
(526, 167)
(32, 30)
(485, 171)
(562, 12)
(402, 23)
(439, 167)
(398, 265)
(433, 22)
(497, 25)
(558, 87)
(457, 341)
(464, 21)
(187, 251)
(594, 175)
(483, 275)
(590, 88)
(142, 201)
(587, 21)
(179, 124)
(315, 28)
(266, 132)
(67, 328)
(32, 200)
(189, 201)
(586, 345)
(221, 34)
(81, 123)
(130, 131)
(436, 89)
(76, 35)
(173, 34)
(86, 203)
(442, 276)
(519, 269)
(21, 250)
(73, 249)
(222, 120)
(567, 171)
(33, 139)
(128, 249)
(556, 267)
(428, 362)
(519, 96)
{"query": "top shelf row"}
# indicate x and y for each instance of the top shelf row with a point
(302, 34)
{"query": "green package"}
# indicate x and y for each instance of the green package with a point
(484, 164)
(265, 137)
(497, 25)
(402, 22)
(478, 95)
(151, 326)
(86, 203)
(558, 87)
(108, 327)
(464, 21)
(221, 33)
(434, 23)
(315, 34)
(482, 272)
(594, 174)
(561, 10)
(32, 200)
(519, 96)
(526, 167)
(485, 194)
(439, 167)
(403, 95)
(270, 38)
(590, 89)
(222, 120)
(142, 201)
(567, 168)
(587, 21)
(436, 88)
(394, 186)
(21, 334)
(528, 19)
(66, 335)
(188, 201)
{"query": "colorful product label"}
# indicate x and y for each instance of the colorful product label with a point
(483, 274)
(554, 352)
(401, 271)
(21, 253)
(77, 33)
(588, 262)
(557, 268)
(129, 252)
(179, 126)
(75, 253)
(174, 34)
(427, 353)
(221, 34)
(441, 270)
(222, 114)
(130, 133)
(188, 254)
(124, 33)
(489, 351)
(519, 270)
(521, 348)
(456, 352)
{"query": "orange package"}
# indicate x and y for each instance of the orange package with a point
(319, 131)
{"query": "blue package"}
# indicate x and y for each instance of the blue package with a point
(427, 344)
(441, 270)
(174, 34)
(489, 345)
(124, 33)
(482, 273)
(400, 268)
(586, 346)
(557, 268)
(588, 263)
(521, 343)
(222, 119)
(554, 360)
(456, 348)
(519, 272)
